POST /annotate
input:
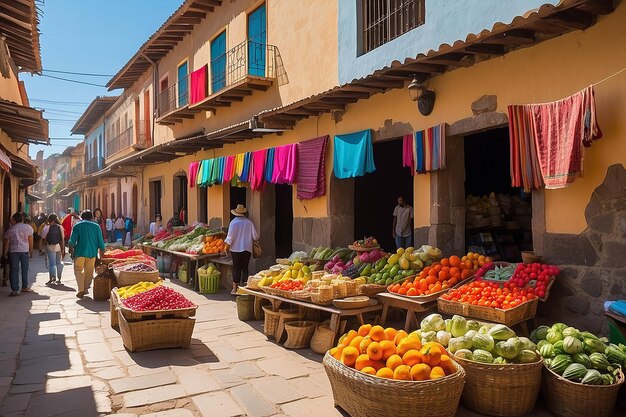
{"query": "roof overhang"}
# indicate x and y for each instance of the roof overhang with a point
(541, 24)
(176, 27)
(33, 198)
(18, 166)
(19, 24)
(98, 107)
(23, 124)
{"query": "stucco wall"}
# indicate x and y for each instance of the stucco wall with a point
(445, 23)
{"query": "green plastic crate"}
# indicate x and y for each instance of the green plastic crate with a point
(209, 284)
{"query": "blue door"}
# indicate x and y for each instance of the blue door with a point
(257, 40)
(218, 63)
(183, 85)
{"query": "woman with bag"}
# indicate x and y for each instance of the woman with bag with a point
(241, 238)
(55, 248)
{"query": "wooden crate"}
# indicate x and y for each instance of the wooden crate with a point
(156, 334)
(113, 309)
(508, 317)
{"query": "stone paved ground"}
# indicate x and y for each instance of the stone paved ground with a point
(60, 357)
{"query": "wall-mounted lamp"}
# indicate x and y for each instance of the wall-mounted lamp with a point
(425, 98)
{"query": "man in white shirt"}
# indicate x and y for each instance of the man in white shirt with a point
(403, 224)
(239, 241)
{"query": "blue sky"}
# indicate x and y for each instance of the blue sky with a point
(88, 36)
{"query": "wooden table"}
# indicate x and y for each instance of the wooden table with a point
(335, 313)
(414, 309)
(193, 261)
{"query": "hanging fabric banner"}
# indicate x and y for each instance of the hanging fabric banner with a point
(430, 149)
(257, 171)
(285, 159)
(408, 156)
(193, 172)
(311, 177)
(353, 155)
(269, 165)
(198, 90)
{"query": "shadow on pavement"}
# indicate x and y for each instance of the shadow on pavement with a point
(92, 305)
(60, 287)
(198, 352)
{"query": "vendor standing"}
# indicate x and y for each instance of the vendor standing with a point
(239, 241)
(403, 224)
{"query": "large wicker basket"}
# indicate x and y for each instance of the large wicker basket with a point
(510, 317)
(571, 399)
(501, 390)
(323, 339)
(299, 334)
(125, 278)
(270, 323)
(102, 288)
(363, 395)
(156, 334)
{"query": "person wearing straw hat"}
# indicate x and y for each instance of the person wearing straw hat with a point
(239, 241)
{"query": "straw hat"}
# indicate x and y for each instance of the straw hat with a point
(240, 211)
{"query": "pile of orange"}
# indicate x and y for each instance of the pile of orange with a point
(213, 244)
(439, 276)
(393, 354)
(475, 260)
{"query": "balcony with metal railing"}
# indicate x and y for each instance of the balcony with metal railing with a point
(246, 68)
(120, 142)
(94, 165)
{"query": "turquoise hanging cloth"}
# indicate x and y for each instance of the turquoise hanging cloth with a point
(215, 163)
(353, 155)
(220, 170)
(206, 172)
(269, 165)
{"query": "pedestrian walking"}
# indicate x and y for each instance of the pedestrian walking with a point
(99, 219)
(110, 228)
(120, 228)
(18, 245)
(239, 242)
(129, 227)
(156, 226)
(39, 220)
(87, 241)
(403, 224)
(55, 248)
(68, 223)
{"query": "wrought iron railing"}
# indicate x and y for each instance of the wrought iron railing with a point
(246, 59)
(120, 142)
(142, 133)
(167, 100)
(94, 165)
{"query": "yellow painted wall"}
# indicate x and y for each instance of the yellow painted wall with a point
(9, 88)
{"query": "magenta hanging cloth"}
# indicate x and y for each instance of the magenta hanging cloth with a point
(408, 159)
(285, 164)
(193, 173)
(198, 90)
(257, 170)
(229, 169)
(311, 169)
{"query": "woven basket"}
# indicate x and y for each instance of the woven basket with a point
(571, 399)
(371, 289)
(299, 334)
(102, 288)
(323, 339)
(270, 324)
(501, 390)
(113, 310)
(156, 334)
(508, 317)
(363, 395)
(125, 278)
(287, 316)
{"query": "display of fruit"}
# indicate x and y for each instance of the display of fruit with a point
(213, 244)
(134, 267)
(363, 265)
(535, 275)
(496, 272)
(366, 243)
(476, 260)
(579, 356)
(393, 354)
(288, 285)
(130, 290)
(326, 254)
(490, 294)
(122, 254)
(402, 264)
(158, 298)
(297, 271)
(432, 279)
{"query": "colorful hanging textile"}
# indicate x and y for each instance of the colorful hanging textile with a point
(311, 178)
(220, 170)
(198, 90)
(285, 159)
(353, 155)
(239, 159)
(206, 172)
(269, 165)
(5, 161)
(525, 170)
(257, 170)
(229, 169)
(560, 130)
(245, 171)
(430, 153)
(408, 156)
(193, 172)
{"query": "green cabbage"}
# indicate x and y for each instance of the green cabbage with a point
(506, 350)
(464, 354)
(570, 331)
(539, 333)
(516, 342)
(483, 341)
(558, 347)
(470, 334)
(599, 361)
(433, 323)
(592, 377)
(458, 326)
(448, 325)
(458, 343)
(482, 356)
(593, 345)
(559, 327)
(526, 356)
(554, 336)
(484, 329)
(547, 350)
(572, 345)
(527, 344)
(541, 343)
(500, 360)
(501, 332)
(583, 359)
(560, 363)
(472, 325)
(443, 337)
(429, 337)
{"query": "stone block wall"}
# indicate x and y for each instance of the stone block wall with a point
(593, 262)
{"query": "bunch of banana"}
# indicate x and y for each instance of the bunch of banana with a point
(140, 287)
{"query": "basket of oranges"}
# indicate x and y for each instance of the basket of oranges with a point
(377, 371)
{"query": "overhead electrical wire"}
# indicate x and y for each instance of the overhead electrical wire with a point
(73, 81)
(69, 103)
(84, 74)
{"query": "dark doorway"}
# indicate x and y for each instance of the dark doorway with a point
(498, 216)
(237, 196)
(6, 207)
(180, 195)
(155, 199)
(376, 194)
(135, 203)
(283, 231)
(203, 212)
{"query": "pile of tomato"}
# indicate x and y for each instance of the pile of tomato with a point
(157, 298)
(434, 278)
(536, 276)
(491, 294)
(288, 285)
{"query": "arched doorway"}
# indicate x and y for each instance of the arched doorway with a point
(6, 206)
(180, 194)
(135, 202)
(113, 204)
